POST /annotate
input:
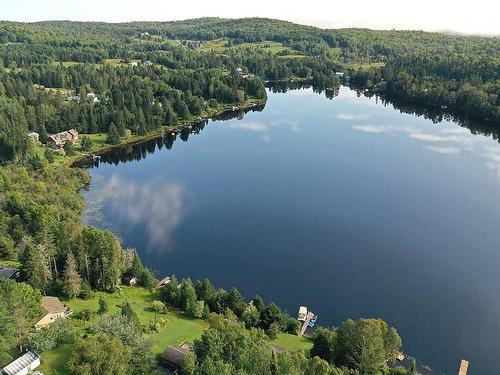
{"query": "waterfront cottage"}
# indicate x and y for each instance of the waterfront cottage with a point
(53, 309)
(59, 139)
(22, 365)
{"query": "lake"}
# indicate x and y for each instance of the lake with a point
(345, 205)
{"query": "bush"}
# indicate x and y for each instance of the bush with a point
(49, 155)
(86, 143)
(86, 314)
(273, 330)
(103, 306)
(86, 292)
(159, 306)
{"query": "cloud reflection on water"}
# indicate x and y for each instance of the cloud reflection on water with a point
(156, 205)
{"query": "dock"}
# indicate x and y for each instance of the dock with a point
(310, 318)
(464, 366)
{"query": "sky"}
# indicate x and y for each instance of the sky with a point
(463, 16)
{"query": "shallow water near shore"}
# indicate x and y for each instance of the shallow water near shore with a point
(345, 205)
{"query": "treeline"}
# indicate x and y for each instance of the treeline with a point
(465, 84)
(361, 347)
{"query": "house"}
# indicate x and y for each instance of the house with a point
(73, 98)
(174, 355)
(134, 63)
(129, 280)
(92, 97)
(8, 273)
(58, 140)
(34, 136)
(165, 281)
(148, 63)
(302, 313)
(53, 309)
(22, 365)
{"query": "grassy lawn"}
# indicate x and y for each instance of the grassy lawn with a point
(294, 343)
(177, 329)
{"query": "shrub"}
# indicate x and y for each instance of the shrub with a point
(158, 306)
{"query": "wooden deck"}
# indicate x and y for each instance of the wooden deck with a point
(309, 316)
(464, 366)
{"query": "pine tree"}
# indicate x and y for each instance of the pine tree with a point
(31, 265)
(72, 280)
(113, 135)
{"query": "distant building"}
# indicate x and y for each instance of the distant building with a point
(34, 136)
(129, 280)
(165, 281)
(92, 97)
(133, 63)
(8, 273)
(73, 98)
(148, 63)
(302, 315)
(22, 365)
(173, 356)
(58, 140)
(53, 309)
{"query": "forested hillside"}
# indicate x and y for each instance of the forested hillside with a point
(150, 74)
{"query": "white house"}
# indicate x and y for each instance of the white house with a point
(92, 97)
(22, 365)
(302, 313)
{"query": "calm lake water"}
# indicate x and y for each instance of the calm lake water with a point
(347, 206)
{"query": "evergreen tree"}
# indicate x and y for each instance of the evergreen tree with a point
(72, 280)
(113, 135)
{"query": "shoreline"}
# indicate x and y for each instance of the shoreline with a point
(134, 139)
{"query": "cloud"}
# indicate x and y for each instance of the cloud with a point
(157, 206)
(266, 138)
(351, 117)
(373, 129)
(428, 137)
(250, 126)
(447, 150)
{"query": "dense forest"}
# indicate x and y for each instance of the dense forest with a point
(130, 80)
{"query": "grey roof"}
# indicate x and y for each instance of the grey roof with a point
(20, 363)
(175, 354)
(8, 272)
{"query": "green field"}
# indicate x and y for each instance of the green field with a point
(294, 343)
(177, 329)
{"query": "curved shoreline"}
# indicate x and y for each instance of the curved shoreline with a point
(249, 104)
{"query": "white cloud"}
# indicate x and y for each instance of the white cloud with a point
(446, 150)
(351, 117)
(374, 129)
(156, 205)
(250, 126)
(428, 137)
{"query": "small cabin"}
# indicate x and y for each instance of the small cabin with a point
(302, 315)
(165, 281)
